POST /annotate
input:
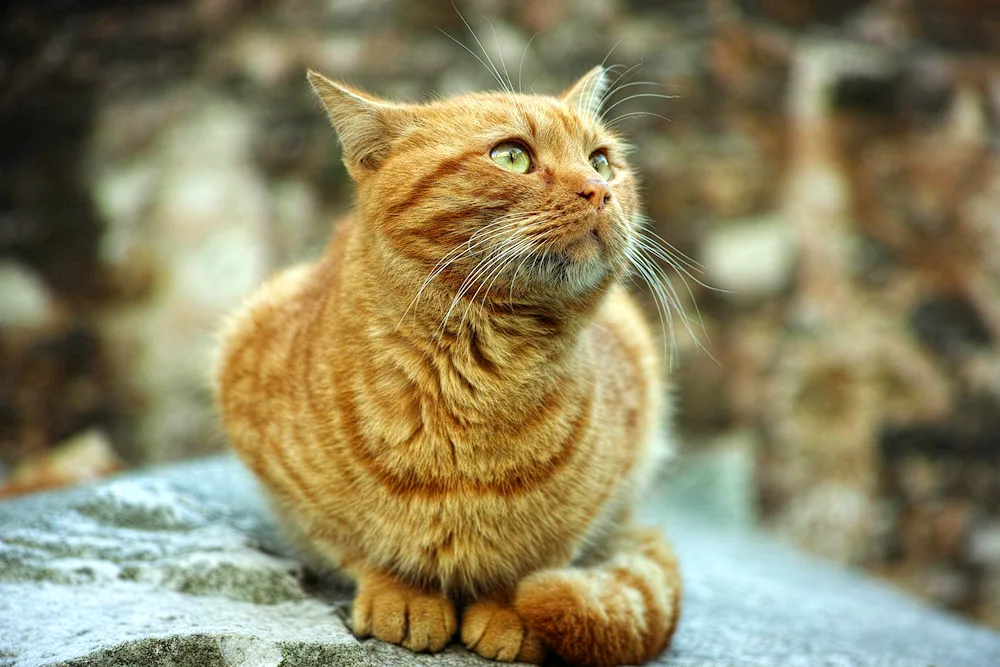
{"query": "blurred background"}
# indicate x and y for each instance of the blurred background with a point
(834, 165)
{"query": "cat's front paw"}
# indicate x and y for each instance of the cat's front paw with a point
(495, 631)
(395, 612)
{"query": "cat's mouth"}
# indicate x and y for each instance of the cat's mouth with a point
(576, 257)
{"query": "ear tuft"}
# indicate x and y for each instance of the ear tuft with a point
(587, 94)
(366, 125)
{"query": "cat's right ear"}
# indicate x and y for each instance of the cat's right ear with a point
(366, 125)
(587, 94)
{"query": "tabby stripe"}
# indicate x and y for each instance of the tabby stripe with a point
(403, 238)
(280, 462)
(273, 467)
(466, 381)
(445, 220)
(550, 405)
(652, 639)
(518, 481)
(232, 376)
(479, 356)
(403, 242)
(303, 349)
(658, 551)
(425, 183)
(568, 122)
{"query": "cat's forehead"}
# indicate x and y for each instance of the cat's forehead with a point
(538, 118)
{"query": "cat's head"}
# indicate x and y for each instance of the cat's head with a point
(504, 192)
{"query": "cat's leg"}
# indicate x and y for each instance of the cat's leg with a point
(621, 611)
(493, 629)
(393, 611)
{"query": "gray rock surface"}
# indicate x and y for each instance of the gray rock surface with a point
(182, 566)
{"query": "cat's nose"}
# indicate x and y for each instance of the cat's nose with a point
(596, 192)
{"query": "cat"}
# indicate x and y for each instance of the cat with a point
(459, 404)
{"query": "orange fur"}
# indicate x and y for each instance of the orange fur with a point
(480, 443)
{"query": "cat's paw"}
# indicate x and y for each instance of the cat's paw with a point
(395, 612)
(495, 631)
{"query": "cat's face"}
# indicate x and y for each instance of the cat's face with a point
(498, 193)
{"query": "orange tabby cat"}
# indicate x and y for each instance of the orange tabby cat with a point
(458, 403)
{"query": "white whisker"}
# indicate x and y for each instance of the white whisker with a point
(520, 88)
(509, 256)
(663, 288)
(620, 40)
(496, 40)
(636, 96)
(482, 272)
(614, 121)
(614, 87)
(659, 300)
(488, 232)
(474, 55)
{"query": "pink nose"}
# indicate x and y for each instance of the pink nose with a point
(596, 192)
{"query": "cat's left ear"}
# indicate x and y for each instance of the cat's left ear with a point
(587, 94)
(366, 125)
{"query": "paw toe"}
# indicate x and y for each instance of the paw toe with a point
(389, 618)
(496, 632)
(431, 623)
(533, 650)
(400, 614)
(474, 622)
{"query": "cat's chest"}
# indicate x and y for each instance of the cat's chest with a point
(493, 536)
(490, 541)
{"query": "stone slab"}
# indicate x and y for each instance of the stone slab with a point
(183, 566)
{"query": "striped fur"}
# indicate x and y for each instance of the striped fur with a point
(621, 611)
(461, 455)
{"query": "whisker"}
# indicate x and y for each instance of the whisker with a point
(522, 246)
(675, 257)
(670, 295)
(669, 287)
(483, 271)
(467, 248)
(614, 87)
(496, 40)
(513, 278)
(667, 257)
(458, 295)
(520, 88)
(637, 96)
(656, 282)
(487, 262)
(680, 272)
(659, 300)
(620, 40)
(496, 73)
(594, 85)
(646, 228)
(474, 55)
(614, 121)
(525, 246)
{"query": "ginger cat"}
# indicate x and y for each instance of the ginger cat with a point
(458, 403)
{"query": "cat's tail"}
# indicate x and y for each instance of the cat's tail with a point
(620, 612)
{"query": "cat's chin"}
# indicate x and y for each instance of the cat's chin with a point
(570, 273)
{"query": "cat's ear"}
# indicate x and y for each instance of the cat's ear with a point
(587, 94)
(366, 125)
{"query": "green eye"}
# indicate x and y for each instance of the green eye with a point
(599, 161)
(512, 156)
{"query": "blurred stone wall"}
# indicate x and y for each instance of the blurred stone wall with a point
(834, 166)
